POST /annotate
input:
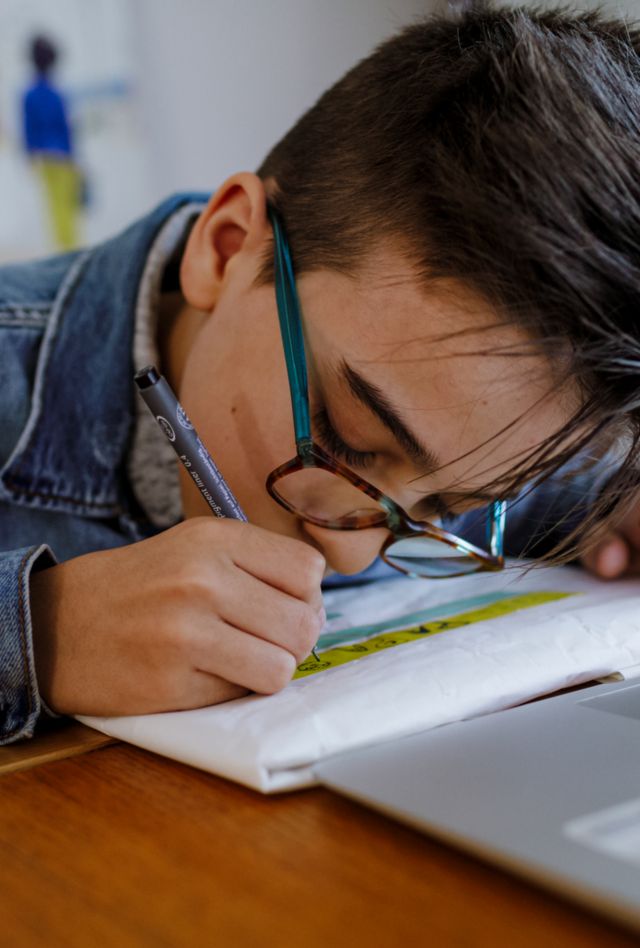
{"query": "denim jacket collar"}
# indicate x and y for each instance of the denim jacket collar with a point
(84, 381)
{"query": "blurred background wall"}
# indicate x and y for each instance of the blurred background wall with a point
(234, 79)
(96, 73)
(166, 95)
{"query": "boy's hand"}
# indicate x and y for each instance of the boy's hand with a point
(617, 552)
(199, 614)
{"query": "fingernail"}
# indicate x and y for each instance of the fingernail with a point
(322, 615)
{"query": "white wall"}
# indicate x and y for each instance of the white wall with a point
(219, 81)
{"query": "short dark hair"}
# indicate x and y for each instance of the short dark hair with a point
(43, 53)
(501, 149)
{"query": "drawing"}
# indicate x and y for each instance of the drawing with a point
(374, 639)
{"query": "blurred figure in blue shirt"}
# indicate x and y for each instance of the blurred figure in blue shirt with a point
(48, 141)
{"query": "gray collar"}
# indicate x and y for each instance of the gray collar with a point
(152, 466)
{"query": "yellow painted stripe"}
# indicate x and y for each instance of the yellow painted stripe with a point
(342, 654)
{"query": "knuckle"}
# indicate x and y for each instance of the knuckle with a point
(174, 647)
(310, 567)
(227, 526)
(191, 581)
(279, 672)
(204, 530)
(308, 629)
(313, 565)
(195, 527)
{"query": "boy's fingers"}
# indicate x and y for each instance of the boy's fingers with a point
(206, 690)
(288, 564)
(270, 614)
(243, 659)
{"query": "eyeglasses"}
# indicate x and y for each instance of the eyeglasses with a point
(319, 489)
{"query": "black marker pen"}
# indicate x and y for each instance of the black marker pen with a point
(170, 415)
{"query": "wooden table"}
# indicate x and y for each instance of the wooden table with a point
(122, 848)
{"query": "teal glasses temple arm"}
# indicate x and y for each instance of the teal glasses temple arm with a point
(291, 330)
(496, 524)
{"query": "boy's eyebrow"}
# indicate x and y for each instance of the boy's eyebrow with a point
(375, 400)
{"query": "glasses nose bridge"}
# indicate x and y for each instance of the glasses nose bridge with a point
(399, 522)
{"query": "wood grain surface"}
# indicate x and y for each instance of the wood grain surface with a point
(55, 740)
(123, 848)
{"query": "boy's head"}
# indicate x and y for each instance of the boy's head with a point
(43, 54)
(491, 165)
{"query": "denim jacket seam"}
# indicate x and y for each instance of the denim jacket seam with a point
(70, 280)
(31, 317)
(78, 502)
(17, 309)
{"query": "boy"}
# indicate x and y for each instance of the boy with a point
(463, 214)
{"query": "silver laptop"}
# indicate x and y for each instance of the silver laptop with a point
(550, 790)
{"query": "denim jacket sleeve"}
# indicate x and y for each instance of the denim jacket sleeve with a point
(66, 415)
(20, 703)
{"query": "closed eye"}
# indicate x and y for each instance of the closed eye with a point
(331, 441)
(431, 506)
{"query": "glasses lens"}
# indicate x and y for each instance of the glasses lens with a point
(323, 497)
(424, 556)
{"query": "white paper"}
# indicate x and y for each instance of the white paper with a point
(271, 743)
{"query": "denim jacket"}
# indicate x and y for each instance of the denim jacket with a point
(66, 417)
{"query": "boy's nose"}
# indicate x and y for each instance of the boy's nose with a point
(347, 551)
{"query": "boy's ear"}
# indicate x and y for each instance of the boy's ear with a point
(233, 226)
